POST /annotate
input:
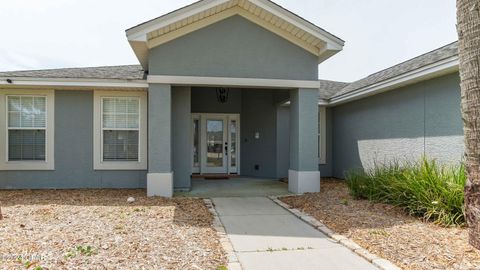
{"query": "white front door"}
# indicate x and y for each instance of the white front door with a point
(216, 143)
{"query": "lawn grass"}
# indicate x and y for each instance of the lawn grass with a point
(424, 188)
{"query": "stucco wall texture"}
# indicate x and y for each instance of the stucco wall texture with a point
(423, 119)
(73, 153)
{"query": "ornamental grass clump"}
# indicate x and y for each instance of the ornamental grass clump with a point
(426, 189)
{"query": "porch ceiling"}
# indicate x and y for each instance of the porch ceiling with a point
(206, 12)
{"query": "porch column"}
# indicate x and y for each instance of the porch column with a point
(304, 175)
(160, 174)
(181, 138)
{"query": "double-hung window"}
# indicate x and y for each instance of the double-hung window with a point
(27, 128)
(27, 143)
(120, 130)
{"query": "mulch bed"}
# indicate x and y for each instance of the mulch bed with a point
(387, 231)
(98, 229)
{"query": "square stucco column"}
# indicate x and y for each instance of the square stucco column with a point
(182, 138)
(304, 175)
(160, 174)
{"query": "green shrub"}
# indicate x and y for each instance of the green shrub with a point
(425, 188)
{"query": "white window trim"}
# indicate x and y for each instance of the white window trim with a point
(99, 164)
(322, 122)
(26, 165)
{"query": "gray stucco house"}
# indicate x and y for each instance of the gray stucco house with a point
(223, 87)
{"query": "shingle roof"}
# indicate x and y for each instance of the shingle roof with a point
(330, 88)
(442, 53)
(129, 72)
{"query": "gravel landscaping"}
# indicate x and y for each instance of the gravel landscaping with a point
(99, 229)
(387, 231)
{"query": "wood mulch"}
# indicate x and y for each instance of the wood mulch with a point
(99, 229)
(387, 231)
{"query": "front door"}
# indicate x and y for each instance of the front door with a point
(216, 143)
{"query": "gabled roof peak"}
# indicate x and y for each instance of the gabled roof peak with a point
(264, 13)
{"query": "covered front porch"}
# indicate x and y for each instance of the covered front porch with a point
(266, 56)
(259, 134)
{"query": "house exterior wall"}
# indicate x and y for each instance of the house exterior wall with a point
(326, 169)
(258, 115)
(73, 153)
(234, 47)
(283, 141)
(403, 124)
(204, 100)
(283, 148)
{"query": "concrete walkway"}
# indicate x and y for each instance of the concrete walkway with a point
(266, 236)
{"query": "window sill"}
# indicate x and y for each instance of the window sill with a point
(121, 166)
(27, 166)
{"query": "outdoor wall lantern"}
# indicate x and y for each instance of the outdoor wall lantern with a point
(222, 95)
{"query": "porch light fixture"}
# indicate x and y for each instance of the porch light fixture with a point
(222, 95)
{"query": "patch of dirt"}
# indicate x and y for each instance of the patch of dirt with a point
(387, 231)
(98, 229)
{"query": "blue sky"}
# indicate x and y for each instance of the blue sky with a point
(38, 34)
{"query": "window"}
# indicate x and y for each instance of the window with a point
(27, 143)
(322, 135)
(120, 128)
(196, 143)
(120, 120)
(26, 127)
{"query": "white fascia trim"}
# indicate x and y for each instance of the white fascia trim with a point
(139, 33)
(300, 23)
(436, 69)
(232, 82)
(21, 81)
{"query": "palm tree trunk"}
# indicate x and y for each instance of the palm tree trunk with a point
(468, 16)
